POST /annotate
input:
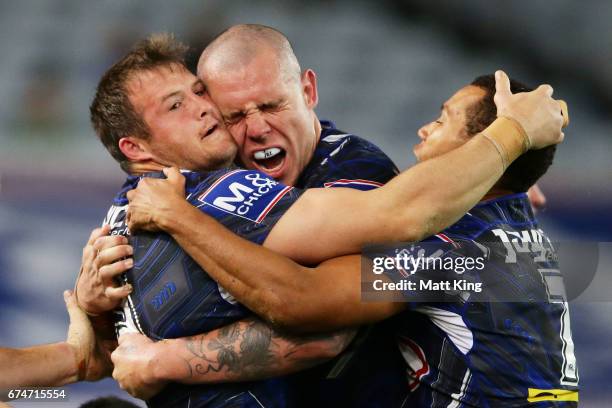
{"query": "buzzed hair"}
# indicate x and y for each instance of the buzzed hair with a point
(239, 45)
(112, 114)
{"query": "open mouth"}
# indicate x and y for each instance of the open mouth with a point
(269, 159)
(210, 130)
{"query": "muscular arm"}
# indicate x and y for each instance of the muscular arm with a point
(46, 365)
(286, 294)
(420, 201)
(81, 357)
(244, 351)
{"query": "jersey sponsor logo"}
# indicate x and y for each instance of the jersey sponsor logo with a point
(115, 218)
(244, 193)
(162, 297)
(335, 138)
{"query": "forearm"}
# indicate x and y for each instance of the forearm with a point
(231, 260)
(244, 351)
(39, 366)
(435, 193)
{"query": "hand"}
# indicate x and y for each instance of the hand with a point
(92, 354)
(537, 112)
(135, 366)
(155, 199)
(96, 289)
(536, 198)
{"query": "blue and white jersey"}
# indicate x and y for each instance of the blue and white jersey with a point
(173, 297)
(506, 345)
(344, 160)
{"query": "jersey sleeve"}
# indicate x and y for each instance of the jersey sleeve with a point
(348, 161)
(247, 202)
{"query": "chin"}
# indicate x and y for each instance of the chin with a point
(417, 154)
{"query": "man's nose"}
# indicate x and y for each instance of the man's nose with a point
(424, 131)
(256, 126)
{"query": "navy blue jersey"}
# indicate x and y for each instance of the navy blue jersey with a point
(348, 160)
(507, 344)
(173, 297)
(345, 160)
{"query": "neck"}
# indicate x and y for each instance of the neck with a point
(145, 167)
(318, 128)
(496, 192)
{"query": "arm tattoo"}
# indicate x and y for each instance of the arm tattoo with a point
(250, 349)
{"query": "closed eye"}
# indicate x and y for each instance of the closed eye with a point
(233, 119)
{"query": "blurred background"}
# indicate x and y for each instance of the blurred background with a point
(384, 68)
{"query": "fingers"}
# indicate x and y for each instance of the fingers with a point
(74, 311)
(97, 233)
(103, 243)
(118, 294)
(171, 173)
(174, 175)
(502, 86)
(114, 253)
(70, 300)
(109, 272)
(545, 89)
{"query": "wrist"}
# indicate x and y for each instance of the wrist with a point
(167, 219)
(508, 137)
(160, 363)
(75, 368)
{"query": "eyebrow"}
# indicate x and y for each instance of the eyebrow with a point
(198, 82)
(195, 83)
(170, 95)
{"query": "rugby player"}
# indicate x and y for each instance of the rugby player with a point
(493, 350)
(144, 155)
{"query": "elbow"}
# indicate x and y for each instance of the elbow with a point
(334, 344)
(293, 317)
(281, 313)
(414, 229)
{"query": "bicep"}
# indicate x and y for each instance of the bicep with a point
(325, 223)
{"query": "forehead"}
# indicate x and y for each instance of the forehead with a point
(463, 99)
(259, 81)
(152, 85)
